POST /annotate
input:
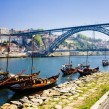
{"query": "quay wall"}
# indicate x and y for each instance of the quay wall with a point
(76, 53)
(18, 55)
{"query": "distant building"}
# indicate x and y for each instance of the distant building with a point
(12, 31)
(2, 49)
(4, 31)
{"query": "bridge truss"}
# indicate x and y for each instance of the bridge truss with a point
(67, 33)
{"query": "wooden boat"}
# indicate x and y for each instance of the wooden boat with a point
(34, 84)
(83, 71)
(19, 78)
(105, 62)
(67, 69)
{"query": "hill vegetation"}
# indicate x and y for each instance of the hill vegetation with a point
(38, 39)
(79, 42)
(83, 42)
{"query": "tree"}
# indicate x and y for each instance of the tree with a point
(38, 40)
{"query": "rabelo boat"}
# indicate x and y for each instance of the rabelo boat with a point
(67, 69)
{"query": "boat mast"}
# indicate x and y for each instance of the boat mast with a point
(105, 49)
(8, 50)
(69, 53)
(87, 55)
(32, 53)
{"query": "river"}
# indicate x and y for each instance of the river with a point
(48, 66)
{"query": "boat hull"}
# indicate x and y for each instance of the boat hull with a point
(35, 86)
(32, 88)
(105, 64)
(68, 71)
(85, 72)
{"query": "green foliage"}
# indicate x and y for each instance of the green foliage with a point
(84, 37)
(92, 98)
(38, 40)
(83, 42)
(65, 43)
(5, 42)
(81, 36)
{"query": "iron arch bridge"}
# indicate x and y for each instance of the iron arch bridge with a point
(67, 33)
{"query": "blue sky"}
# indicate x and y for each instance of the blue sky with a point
(47, 14)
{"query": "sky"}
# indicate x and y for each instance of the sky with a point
(49, 14)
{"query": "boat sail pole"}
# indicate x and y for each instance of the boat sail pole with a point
(32, 53)
(69, 54)
(87, 55)
(8, 50)
(105, 49)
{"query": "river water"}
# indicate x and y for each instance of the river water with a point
(48, 66)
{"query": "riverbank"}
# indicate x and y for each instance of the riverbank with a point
(14, 55)
(54, 54)
(81, 93)
(76, 53)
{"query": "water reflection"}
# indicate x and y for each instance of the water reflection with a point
(5, 95)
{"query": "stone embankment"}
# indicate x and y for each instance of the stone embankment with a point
(70, 95)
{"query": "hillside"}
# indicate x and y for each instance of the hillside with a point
(79, 42)
(83, 42)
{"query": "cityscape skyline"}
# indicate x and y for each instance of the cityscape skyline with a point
(46, 14)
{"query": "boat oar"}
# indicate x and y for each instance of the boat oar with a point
(12, 77)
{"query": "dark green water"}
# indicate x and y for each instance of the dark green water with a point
(48, 66)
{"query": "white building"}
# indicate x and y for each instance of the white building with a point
(4, 31)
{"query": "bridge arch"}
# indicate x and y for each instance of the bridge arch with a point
(61, 38)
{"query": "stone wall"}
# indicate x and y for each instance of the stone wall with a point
(69, 95)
